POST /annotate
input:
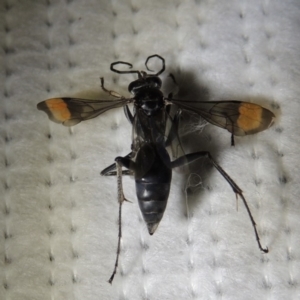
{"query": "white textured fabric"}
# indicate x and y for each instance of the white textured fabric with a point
(58, 216)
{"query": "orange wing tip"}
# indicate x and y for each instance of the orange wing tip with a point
(254, 118)
(56, 109)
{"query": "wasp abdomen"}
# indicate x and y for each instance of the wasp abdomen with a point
(153, 198)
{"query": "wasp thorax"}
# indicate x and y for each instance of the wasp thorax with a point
(149, 100)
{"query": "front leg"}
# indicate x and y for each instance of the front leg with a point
(111, 93)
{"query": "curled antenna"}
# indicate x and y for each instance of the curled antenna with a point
(163, 64)
(124, 72)
(140, 73)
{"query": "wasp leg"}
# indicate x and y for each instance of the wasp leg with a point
(173, 134)
(127, 163)
(111, 93)
(173, 78)
(111, 170)
(128, 114)
(232, 140)
(170, 95)
(194, 156)
(121, 199)
(232, 136)
(114, 173)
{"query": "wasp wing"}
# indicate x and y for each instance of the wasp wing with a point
(238, 117)
(71, 111)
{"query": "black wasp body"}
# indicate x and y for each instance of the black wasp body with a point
(151, 163)
(154, 128)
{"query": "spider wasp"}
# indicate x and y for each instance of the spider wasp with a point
(149, 160)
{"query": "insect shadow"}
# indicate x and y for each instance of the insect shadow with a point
(189, 87)
(199, 134)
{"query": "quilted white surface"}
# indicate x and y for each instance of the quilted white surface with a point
(58, 217)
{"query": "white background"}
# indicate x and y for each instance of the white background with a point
(58, 216)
